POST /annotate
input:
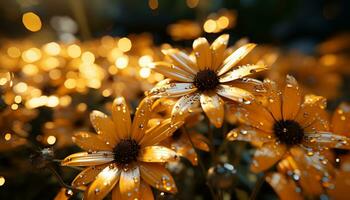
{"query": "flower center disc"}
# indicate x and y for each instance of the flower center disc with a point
(126, 151)
(206, 80)
(288, 132)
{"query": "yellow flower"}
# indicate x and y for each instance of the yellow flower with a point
(124, 157)
(282, 123)
(207, 77)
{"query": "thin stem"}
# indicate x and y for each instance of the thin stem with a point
(257, 187)
(60, 180)
(200, 162)
(211, 142)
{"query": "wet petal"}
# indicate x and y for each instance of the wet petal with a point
(88, 175)
(181, 60)
(202, 53)
(199, 141)
(255, 115)
(165, 129)
(235, 57)
(142, 115)
(251, 85)
(249, 134)
(213, 107)
(157, 176)
(312, 115)
(272, 99)
(89, 159)
(104, 183)
(173, 90)
(241, 71)
(91, 142)
(157, 154)
(291, 98)
(218, 48)
(340, 120)
(321, 140)
(266, 156)
(184, 106)
(121, 117)
(172, 71)
(284, 187)
(234, 93)
(145, 192)
(129, 184)
(104, 126)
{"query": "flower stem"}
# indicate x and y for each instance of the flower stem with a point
(257, 187)
(60, 180)
(211, 142)
(201, 165)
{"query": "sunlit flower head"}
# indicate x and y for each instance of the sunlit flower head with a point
(123, 157)
(283, 122)
(206, 77)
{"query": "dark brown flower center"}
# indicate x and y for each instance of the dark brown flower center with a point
(288, 132)
(176, 135)
(206, 80)
(126, 151)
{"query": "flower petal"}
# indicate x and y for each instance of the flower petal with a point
(141, 118)
(249, 134)
(320, 140)
(249, 84)
(172, 90)
(129, 183)
(202, 53)
(165, 129)
(284, 187)
(157, 176)
(88, 175)
(266, 156)
(121, 117)
(90, 142)
(104, 183)
(235, 57)
(88, 159)
(157, 154)
(213, 107)
(255, 115)
(184, 106)
(312, 114)
(291, 98)
(241, 71)
(234, 93)
(104, 126)
(181, 60)
(172, 71)
(218, 48)
(272, 99)
(342, 185)
(340, 120)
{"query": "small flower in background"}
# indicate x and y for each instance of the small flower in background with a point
(124, 157)
(284, 122)
(207, 78)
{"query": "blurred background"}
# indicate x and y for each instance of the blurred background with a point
(60, 59)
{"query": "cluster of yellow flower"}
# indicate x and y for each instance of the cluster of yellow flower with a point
(293, 134)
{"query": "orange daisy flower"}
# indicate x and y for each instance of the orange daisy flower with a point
(124, 157)
(281, 122)
(207, 77)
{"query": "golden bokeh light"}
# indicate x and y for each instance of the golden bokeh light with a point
(8, 136)
(31, 21)
(74, 51)
(51, 140)
(124, 44)
(52, 49)
(31, 55)
(13, 52)
(122, 62)
(209, 26)
(2, 180)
